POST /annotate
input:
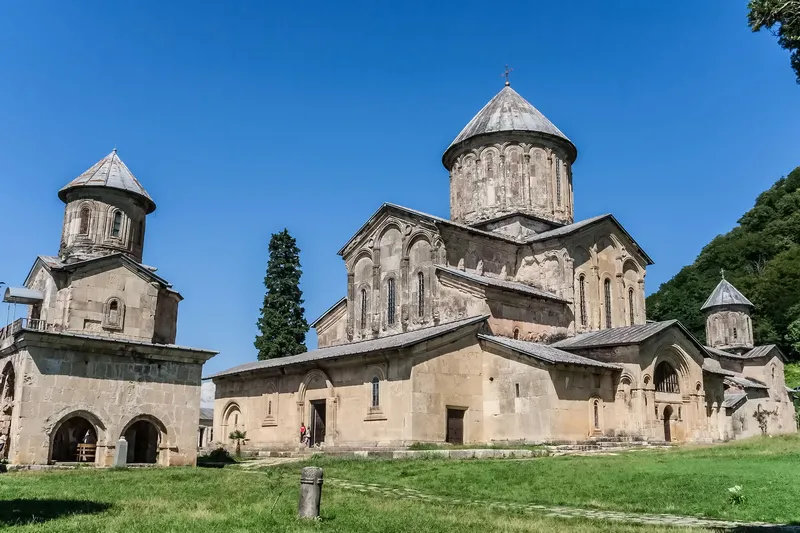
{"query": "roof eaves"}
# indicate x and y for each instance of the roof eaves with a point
(328, 310)
(576, 359)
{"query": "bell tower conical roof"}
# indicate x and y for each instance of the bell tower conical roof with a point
(113, 173)
(724, 295)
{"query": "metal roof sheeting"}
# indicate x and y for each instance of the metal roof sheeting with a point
(502, 284)
(508, 111)
(110, 172)
(546, 353)
(615, 336)
(400, 340)
(746, 382)
(22, 295)
(206, 414)
(733, 400)
(725, 294)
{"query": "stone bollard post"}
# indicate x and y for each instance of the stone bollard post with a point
(121, 453)
(310, 492)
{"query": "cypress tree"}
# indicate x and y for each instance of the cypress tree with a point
(282, 326)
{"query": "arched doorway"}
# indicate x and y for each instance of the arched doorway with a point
(667, 429)
(7, 385)
(143, 439)
(74, 440)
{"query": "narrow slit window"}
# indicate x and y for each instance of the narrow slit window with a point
(735, 334)
(631, 309)
(376, 392)
(116, 227)
(607, 290)
(516, 389)
(558, 182)
(421, 294)
(582, 296)
(84, 226)
(390, 301)
(140, 234)
(269, 408)
(363, 308)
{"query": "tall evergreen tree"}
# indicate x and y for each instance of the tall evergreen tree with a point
(282, 326)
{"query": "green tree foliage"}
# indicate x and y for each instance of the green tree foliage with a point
(782, 18)
(761, 257)
(282, 325)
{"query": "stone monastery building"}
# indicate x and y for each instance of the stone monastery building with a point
(509, 321)
(95, 359)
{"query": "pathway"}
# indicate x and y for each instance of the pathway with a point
(567, 512)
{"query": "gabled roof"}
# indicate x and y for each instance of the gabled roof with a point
(431, 218)
(763, 351)
(55, 264)
(515, 286)
(725, 294)
(619, 336)
(509, 112)
(545, 353)
(401, 340)
(581, 224)
(110, 172)
(328, 310)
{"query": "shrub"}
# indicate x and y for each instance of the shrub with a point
(220, 455)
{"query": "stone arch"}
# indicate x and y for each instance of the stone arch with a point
(85, 209)
(271, 401)
(363, 253)
(114, 313)
(147, 438)
(679, 361)
(232, 419)
(374, 378)
(309, 378)
(79, 426)
(414, 239)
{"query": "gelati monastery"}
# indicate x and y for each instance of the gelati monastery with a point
(507, 322)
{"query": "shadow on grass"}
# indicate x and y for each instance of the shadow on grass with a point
(793, 527)
(30, 511)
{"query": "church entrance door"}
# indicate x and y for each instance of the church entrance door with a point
(455, 426)
(317, 422)
(667, 429)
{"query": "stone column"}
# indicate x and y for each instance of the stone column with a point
(310, 492)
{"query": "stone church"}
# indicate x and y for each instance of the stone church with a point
(95, 359)
(508, 322)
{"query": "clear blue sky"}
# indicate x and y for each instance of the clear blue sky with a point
(242, 118)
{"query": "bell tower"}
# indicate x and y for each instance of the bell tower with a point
(105, 213)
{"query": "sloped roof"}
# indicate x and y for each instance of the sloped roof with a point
(545, 353)
(328, 310)
(616, 336)
(206, 413)
(401, 340)
(761, 351)
(716, 369)
(506, 112)
(725, 294)
(22, 295)
(502, 284)
(747, 383)
(110, 172)
(576, 226)
(733, 400)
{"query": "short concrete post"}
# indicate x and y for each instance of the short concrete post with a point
(310, 492)
(121, 453)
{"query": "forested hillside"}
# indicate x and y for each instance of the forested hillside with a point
(761, 257)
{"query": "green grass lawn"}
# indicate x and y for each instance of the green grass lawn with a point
(232, 500)
(691, 481)
(688, 481)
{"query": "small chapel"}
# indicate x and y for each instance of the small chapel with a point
(509, 321)
(94, 361)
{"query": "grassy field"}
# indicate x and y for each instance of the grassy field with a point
(690, 481)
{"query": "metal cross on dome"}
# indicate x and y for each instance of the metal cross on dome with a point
(506, 73)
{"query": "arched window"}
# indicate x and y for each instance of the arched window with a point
(114, 314)
(363, 308)
(631, 309)
(607, 290)
(596, 413)
(116, 226)
(582, 297)
(84, 216)
(558, 182)
(376, 392)
(421, 294)
(516, 333)
(666, 378)
(390, 301)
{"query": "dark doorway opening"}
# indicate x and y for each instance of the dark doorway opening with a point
(75, 441)
(667, 429)
(142, 439)
(455, 426)
(317, 422)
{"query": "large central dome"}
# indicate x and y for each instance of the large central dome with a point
(510, 159)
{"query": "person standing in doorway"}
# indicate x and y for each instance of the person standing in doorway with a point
(303, 432)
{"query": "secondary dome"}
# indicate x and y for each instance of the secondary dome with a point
(508, 112)
(110, 172)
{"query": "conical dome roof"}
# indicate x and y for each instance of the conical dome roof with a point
(725, 294)
(508, 111)
(110, 172)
